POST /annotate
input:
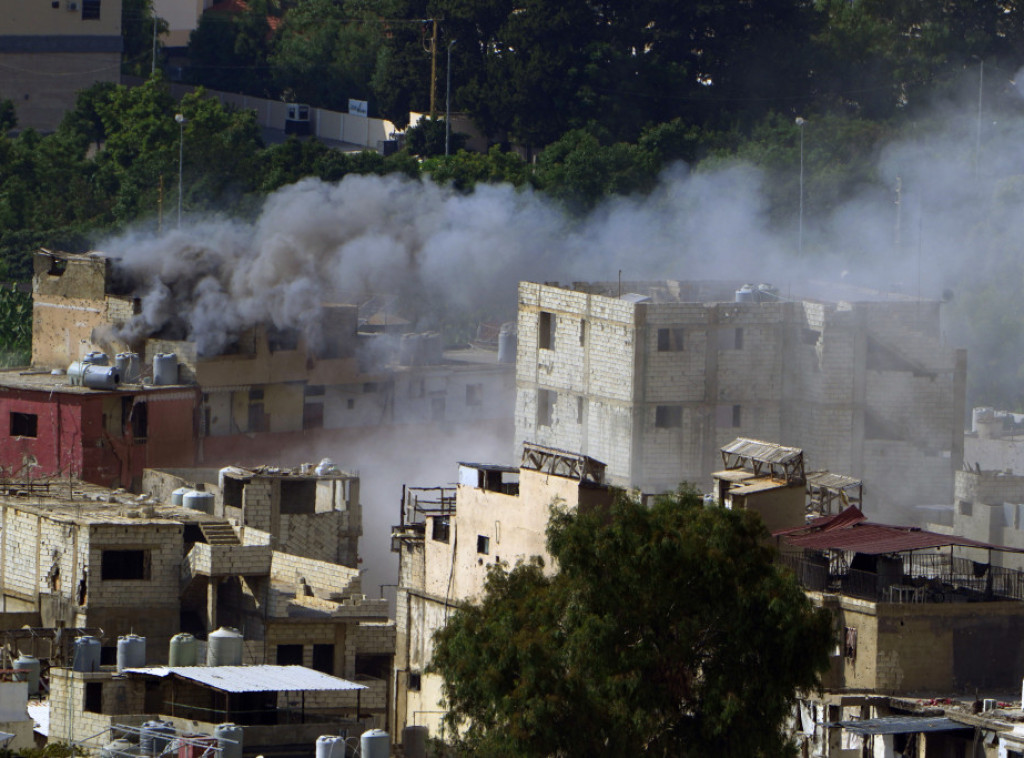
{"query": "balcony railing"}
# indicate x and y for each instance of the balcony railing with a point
(925, 578)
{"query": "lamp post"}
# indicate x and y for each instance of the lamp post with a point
(977, 135)
(448, 101)
(800, 229)
(181, 156)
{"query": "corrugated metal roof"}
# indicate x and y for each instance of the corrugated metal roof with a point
(768, 452)
(254, 678)
(850, 531)
(833, 481)
(902, 725)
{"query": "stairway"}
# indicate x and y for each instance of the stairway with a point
(219, 533)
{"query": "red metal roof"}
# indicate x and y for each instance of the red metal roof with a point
(850, 531)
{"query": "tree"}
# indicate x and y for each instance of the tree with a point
(137, 24)
(667, 630)
(8, 116)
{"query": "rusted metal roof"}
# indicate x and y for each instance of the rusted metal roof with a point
(767, 452)
(850, 531)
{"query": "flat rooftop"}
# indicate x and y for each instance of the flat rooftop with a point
(724, 291)
(45, 381)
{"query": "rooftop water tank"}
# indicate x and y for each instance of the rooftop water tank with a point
(745, 294)
(507, 339)
(330, 746)
(81, 374)
(224, 647)
(182, 650)
(86, 656)
(26, 668)
(117, 749)
(96, 358)
(178, 496)
(198, 501)
(375, 743)
(229, 738)
(131, 652)
(155, 736)
(129, 365)
(165, 369)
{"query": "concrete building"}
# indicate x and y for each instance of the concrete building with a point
(918, 615)
(657, 379)
(52, 49)
(765, 478)
(449, 537)
(272, 390)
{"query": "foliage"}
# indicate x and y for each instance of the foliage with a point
(15, 327)
(8, 116)
(667, 631)
(137, 29)
(229, 51)
(427, 138)
(464, 170)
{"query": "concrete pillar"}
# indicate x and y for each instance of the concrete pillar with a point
(211, 603)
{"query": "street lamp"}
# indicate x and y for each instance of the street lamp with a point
(448, 101)
(181, 156)
(800, 230)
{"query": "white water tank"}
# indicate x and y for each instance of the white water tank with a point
(182, 650)
(330, 746)
(375, 743)
(224, 647)
(165, 369)
(129, 366)
(96, 358)
(131, 652)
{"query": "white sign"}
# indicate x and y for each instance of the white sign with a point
(358, 107)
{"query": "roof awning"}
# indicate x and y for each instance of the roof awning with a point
(901, 725)
(254, 678)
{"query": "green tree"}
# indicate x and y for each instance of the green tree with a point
(137, 30)
(427, 138)
(667, 630)
(8, 116)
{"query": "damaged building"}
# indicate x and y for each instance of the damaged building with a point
(269, 388)
(655, 377)
(448, 538)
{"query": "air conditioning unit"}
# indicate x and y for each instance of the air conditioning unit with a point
(72, 6)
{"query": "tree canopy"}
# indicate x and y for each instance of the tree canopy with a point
(667, 630)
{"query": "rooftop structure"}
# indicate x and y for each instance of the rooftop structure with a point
(656, 377)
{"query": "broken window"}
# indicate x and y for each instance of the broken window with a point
(474, 394)
(440, 529)
(546, 331)
(93, 697)
(545, 405)
(376, 665)
(323, 658)
(24, 424)
(483, 544)
(670, 339)
(57, 266)
(668, 416)
(124, 565)
(289, 655)
(136, 417)
(298, 496)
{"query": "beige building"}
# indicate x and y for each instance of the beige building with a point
(182, 17)
(919, 615)
(656, 377)
(450, 537)
(52, 49)
(765, 478)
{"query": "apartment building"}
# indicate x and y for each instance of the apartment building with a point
(656, 377)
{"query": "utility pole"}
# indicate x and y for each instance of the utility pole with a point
(433, 71)
(448, 100)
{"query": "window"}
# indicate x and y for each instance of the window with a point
(414, 681)
(313, 416)
(966, 507)
(474, 394)
(545, 405)
(440, 529)
(298, 496)
(24, 424)
(730, 338)
(289, 655)
(135, 416)
(483, 544)
(546, 331)
(256, 394)
(323, 658)
(810, 336)
(583, 332)
(668, 416)
(94, 697)
(90, 10)
(670, 339)
(738, 339)
(350, 403)
(124, 565)
(376, 665)
(728, 416)
(313, 390)
(233, 489)
(282, 339)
